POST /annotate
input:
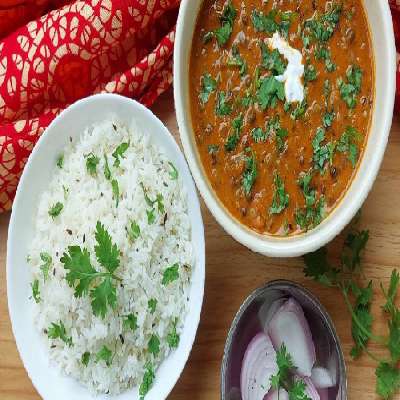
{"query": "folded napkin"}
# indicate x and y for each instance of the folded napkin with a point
(63, 54)
(395, 7)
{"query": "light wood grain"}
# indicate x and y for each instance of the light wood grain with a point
(232, 273)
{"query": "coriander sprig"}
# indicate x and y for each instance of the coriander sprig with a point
(358, 299)
(85, 279)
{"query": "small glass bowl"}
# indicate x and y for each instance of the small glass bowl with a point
(246, 325)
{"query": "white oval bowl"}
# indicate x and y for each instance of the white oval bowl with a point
(380, 23)
(37, 174)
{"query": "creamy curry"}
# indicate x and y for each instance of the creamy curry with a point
(281, 94)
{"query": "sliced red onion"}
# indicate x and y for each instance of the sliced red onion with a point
(268, 310)
(323, 394)
(259, 364)
(310, 390)
(290, 327)
(333, 363)
(275, 395)
(322, 378)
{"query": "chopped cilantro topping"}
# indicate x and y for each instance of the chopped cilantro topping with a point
(233, 138)
(133, 230)
(208, 86)
(170, 274)
(273, 21)
(85, 358)
(321, 152)
(104, 354)
(119, 153)
(322, 27)
(173, 337)
(299, 111)
(323, 53)
(327, 118)
(223, 33)
(347, 144)
(130, 322)
(91, 163)
(147, 381)
(56, 209)
(250, 172)
(115, 191)
(237, 60)
(281, 198)
(310, 73)
(173, 174)
(350, 90)
(60, 161)
(272, 60)
(45, 267)
(154, 345)
(151, 217)
(269, 92)
(152, 304)
(107, 172)
(259, 135)
(222, 106)
(35, 290)
(58, 331)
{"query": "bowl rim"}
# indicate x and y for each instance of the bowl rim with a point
(281, 284)
(335, 222)
(165, 386)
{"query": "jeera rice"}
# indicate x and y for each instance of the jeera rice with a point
(111, 259)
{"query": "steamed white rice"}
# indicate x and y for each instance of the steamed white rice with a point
(87, 199)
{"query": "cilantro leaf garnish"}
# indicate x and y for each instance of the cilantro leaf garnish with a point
(56, 209)
(269, 92)
(233, 138)
(102, 296)
(35, 291)
(85, 358)
(173, 337)
(321, 152)
(147, 381)
(259, 135)
(222, 105)
(390, 294)
(173, 174)
(223, 33)
(91, 164)
(285, 364)
(152, 304)
(58, 331)
(151, 217)
(115, 191)
(272, 60)
(299, 111)
(45, 267)
(119, 153)
(208, 86)
(322, 27)
(347, 144)
(313, 212)
(154, 345)
(130, 322)
(170, 274)
(350, 90)
(133, 231)
(250, 172)
(281, 198)
(310, 73)
(237, 60)
(273, 21)
(60, 161)
(327, 119)
(104, 354)
(387, 380)
(107, 253)
(85, 279)
(298, 391)
(107, 172)
(324, 54)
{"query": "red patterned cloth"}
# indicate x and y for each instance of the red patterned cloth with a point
(79, 48)
(395, 7)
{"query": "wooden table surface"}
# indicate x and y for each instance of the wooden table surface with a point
(232, 272)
